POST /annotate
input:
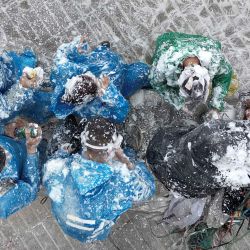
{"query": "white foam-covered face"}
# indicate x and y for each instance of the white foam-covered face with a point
(198, 81)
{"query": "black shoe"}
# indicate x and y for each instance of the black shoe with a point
(105, 43)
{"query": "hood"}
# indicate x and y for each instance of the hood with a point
(16, 155)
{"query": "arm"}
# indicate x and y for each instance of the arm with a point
(74, 51)
(54, 178)
(24, 191)
(59, 76)
(163, 42)
(14, 100)
(136, 77)
(114, 105)
(20, 61)
(4, 110)
(221, 83)
(60, 109)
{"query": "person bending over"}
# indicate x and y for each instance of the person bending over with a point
(87, 96)
(89, 191)
(77, 57)
(190, 70)
(202, 164)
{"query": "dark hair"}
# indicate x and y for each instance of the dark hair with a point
(68, 131)
(2, 159)
(99, 131)
(86, 86)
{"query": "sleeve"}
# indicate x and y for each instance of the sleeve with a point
(24, 191)
(115, 106)
(163, 42)
(54, 179)
(4, 110)
(14, 100)
(136, 77)
(142, 181)
(59, 76)
(20, 61)
(69, 51)
(60, 109)
(220, 84)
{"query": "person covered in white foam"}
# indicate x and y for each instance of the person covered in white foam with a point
(189, 70)
(15, 98)
(89, 191)
(86, 96)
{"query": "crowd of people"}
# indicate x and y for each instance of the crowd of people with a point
(63, 134)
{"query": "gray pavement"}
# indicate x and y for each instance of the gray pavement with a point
(132, 27)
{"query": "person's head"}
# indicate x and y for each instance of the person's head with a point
(192, 60)
(245, 104)
(100, 137)
(2, 158)
(247, 114)
(194, 82)
(80, 89)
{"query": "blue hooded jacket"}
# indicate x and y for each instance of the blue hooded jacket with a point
(22, 174)
(88, 197)
(125, 79)
(14, 99)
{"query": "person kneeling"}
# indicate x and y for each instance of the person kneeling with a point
(89, 191)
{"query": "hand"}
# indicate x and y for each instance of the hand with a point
(32, 142)
(32, 78)
(10, 128)
(213, 114)
(26, 82)
(84, 39)
(123, 158)
(104, 83)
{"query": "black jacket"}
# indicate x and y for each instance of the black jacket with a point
(181, 157)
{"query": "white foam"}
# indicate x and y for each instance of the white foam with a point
(55, 166)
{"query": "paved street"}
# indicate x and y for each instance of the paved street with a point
(132, 27)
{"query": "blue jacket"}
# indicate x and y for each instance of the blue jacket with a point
(88, 197)
(23, 173)
(125, 79)
(15, 100)
(128, 78)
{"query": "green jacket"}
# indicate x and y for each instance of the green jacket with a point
(171, 49)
